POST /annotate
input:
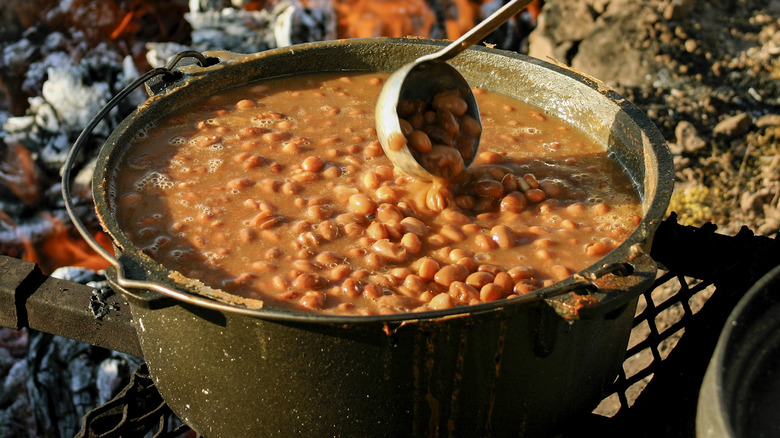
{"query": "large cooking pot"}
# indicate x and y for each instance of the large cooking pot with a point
(520, 367)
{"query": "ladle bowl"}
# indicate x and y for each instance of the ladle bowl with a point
(420, 80)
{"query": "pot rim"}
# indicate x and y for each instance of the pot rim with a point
(657, 185)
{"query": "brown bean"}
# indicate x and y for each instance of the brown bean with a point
(560, 272)
(446, 275)
(427, 268)
(491, 292)
(414, 225)
(463, 293)
(411, 242)
(598, 249)
(376, 231)
(519, 273)
(505, 281)
(451, 102)
(490, 157)
(448, 123)
(386, 212)
(452, 234)
(601, 209)
(312, 299)
(479, 279)
(470, 126)
(503, 236)
(484, 242)
(351, 288)
(441, 301)
(420, 141)
(328, 230)
(390, 251)
(524, 288)
(372, 291)
(514, 202)
(362, 204)
(535, 195)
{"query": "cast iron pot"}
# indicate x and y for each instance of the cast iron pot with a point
(740, 393)
(521, 367)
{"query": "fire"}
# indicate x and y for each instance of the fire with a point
(391, 18)
(19, 174)
(63, 248)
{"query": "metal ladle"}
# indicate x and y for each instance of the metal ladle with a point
(420, 80)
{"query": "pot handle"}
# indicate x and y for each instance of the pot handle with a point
(168, 75)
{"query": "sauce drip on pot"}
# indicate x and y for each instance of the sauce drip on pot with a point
(279, 191)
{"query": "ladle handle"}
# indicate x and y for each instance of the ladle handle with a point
(479, 31)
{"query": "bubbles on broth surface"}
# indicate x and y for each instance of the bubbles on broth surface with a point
(155, 179)
(213, 164)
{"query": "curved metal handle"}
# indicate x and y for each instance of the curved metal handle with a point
(478, 32)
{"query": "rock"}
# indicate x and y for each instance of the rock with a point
(733, 126)
(560, 26)
(688, 137)
(768, 120)
(677, 9)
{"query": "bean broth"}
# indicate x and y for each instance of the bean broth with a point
(279, 191)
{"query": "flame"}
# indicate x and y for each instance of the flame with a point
(390, 18)
(19, 173)
(61, 247)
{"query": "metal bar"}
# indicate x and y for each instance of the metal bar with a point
(28, 298)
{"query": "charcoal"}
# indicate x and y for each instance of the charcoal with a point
(69, 378)
(231, 29)
(295, 24)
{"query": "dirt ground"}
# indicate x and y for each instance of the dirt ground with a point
(707, 74)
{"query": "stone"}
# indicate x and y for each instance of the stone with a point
(688, 137)
(733, 125)
(768, 120)
(678, 9)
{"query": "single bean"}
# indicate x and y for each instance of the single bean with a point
(560, 272)
(484, 242)
(420, 141)
(411, 242)
(448, 123)
(503, 236)
(505, 281)
(514, 202)
(362, 204)
(479, 279)
(601, 209)
(441, 301)
(427, 268)
(312, 299)
(386, 212)
(390, 251)
(451, 102)
(491, 292)
(519, 273)
(446, 275)
(377, 231)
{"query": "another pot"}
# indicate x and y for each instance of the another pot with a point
(512, 367)
(740, 393)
